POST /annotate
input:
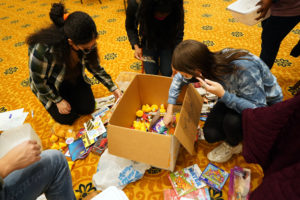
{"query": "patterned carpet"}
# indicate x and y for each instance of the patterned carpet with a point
(206, 20)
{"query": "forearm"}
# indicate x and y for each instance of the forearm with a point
(170, 109)
(5, 167)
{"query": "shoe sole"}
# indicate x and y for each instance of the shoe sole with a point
(237, 151)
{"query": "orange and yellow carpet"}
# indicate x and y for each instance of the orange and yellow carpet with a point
(205, 20)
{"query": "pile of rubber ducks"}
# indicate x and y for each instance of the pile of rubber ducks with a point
(145, 115)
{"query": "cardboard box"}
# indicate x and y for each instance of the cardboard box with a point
(152, 148)
(245, 11)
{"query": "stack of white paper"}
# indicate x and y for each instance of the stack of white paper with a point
(15, 136)
(12, 119)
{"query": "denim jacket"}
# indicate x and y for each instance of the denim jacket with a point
(250, 87)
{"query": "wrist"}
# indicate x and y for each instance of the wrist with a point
(6, 168)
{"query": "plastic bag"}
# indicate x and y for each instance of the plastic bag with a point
(116, 171)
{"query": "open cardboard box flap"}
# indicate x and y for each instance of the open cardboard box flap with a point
(152, 89)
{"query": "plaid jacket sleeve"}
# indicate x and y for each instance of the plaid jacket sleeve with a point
(39, 66)
(101, 75)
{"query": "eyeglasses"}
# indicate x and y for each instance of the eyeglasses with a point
(89, 50)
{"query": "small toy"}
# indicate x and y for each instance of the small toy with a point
(53, 138)
(239, 183)
(162, 109)
(139, 113)
(160, 127)
(62, 145)
(69, 140)
(154, 108)
(99, 147)
(214, 176)
(55, 146)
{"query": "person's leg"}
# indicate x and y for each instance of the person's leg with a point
(213, 127)
(81, 98)
(165, 59)
(232, 126)
(67, 119)
(275, 29)
(296, 50)
(50, 175)
(232, 130)
(150, 67)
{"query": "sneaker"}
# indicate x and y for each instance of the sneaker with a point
(223, 152)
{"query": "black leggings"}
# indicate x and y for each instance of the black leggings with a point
(275, 29)
(79, 95)
(223, 124)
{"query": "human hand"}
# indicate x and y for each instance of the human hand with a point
(63, 107)
(138, 52)
(265, 5)
(212, 87)
(117, 93)
(21, 156)
(168, 118)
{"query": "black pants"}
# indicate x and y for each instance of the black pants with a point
(79, 95)
(223, 124)
(275, 29)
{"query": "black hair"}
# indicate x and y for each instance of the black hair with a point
(78, 26)
(164, 31)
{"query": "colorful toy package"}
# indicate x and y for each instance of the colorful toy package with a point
(214, 176)
(199, 194)
(186, 180)
(239, 183)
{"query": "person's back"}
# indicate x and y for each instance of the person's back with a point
(271, 139)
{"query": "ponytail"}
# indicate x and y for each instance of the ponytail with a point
(57, 14)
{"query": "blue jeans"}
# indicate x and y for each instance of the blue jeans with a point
(162, 63)
(50, 175)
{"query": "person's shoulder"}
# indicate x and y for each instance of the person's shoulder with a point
(40, 48)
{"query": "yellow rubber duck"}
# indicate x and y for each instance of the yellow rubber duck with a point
(62, 145)
(154, 108)
(139, 113)
(54, 146)
(148, 108)
(162, 109)
(53, 138)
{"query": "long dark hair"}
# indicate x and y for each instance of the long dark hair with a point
(191, 55)
(163, 32)
(78, 26)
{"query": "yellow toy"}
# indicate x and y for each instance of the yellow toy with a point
(53, 138)
(154, 108)
(63, 131)
(139, 113)
(148, 108)
(62, 145)
(55, 146)
(162, 109)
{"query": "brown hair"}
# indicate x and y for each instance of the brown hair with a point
(191, 56)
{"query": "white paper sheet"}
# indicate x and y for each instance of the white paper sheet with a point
(12, 119)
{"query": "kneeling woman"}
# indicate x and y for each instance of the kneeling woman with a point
(58, 57)
(240, 79)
